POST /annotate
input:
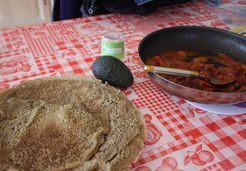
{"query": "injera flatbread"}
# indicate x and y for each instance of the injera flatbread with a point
(68, 123)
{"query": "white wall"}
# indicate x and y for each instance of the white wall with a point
(24, 12)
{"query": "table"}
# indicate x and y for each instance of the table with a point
(180, 136)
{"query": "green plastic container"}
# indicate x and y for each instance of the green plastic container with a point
(113, 44)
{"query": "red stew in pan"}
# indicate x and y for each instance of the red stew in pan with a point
(210, 65)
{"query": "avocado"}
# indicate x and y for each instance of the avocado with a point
(113, 71)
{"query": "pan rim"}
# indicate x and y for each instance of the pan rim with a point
(191, 27)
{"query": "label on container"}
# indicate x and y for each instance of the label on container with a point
(115, 49)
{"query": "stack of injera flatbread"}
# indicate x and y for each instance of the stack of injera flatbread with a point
(68, 123)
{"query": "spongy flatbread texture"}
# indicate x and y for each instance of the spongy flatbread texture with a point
(68, 123)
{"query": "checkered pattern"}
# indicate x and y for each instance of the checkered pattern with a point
(11, 53)
(71, 46)
(175, 122)
(28, 76)
(223, 135)
(153, 98)
(164, 150)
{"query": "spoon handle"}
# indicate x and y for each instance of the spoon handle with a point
(171, 71)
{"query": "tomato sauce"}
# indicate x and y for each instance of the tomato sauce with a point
(217, 65)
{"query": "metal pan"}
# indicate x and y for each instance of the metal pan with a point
(198, 38)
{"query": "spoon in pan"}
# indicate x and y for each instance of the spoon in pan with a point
(180, 72)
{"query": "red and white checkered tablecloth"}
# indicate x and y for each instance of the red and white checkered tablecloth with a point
(180, 136)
